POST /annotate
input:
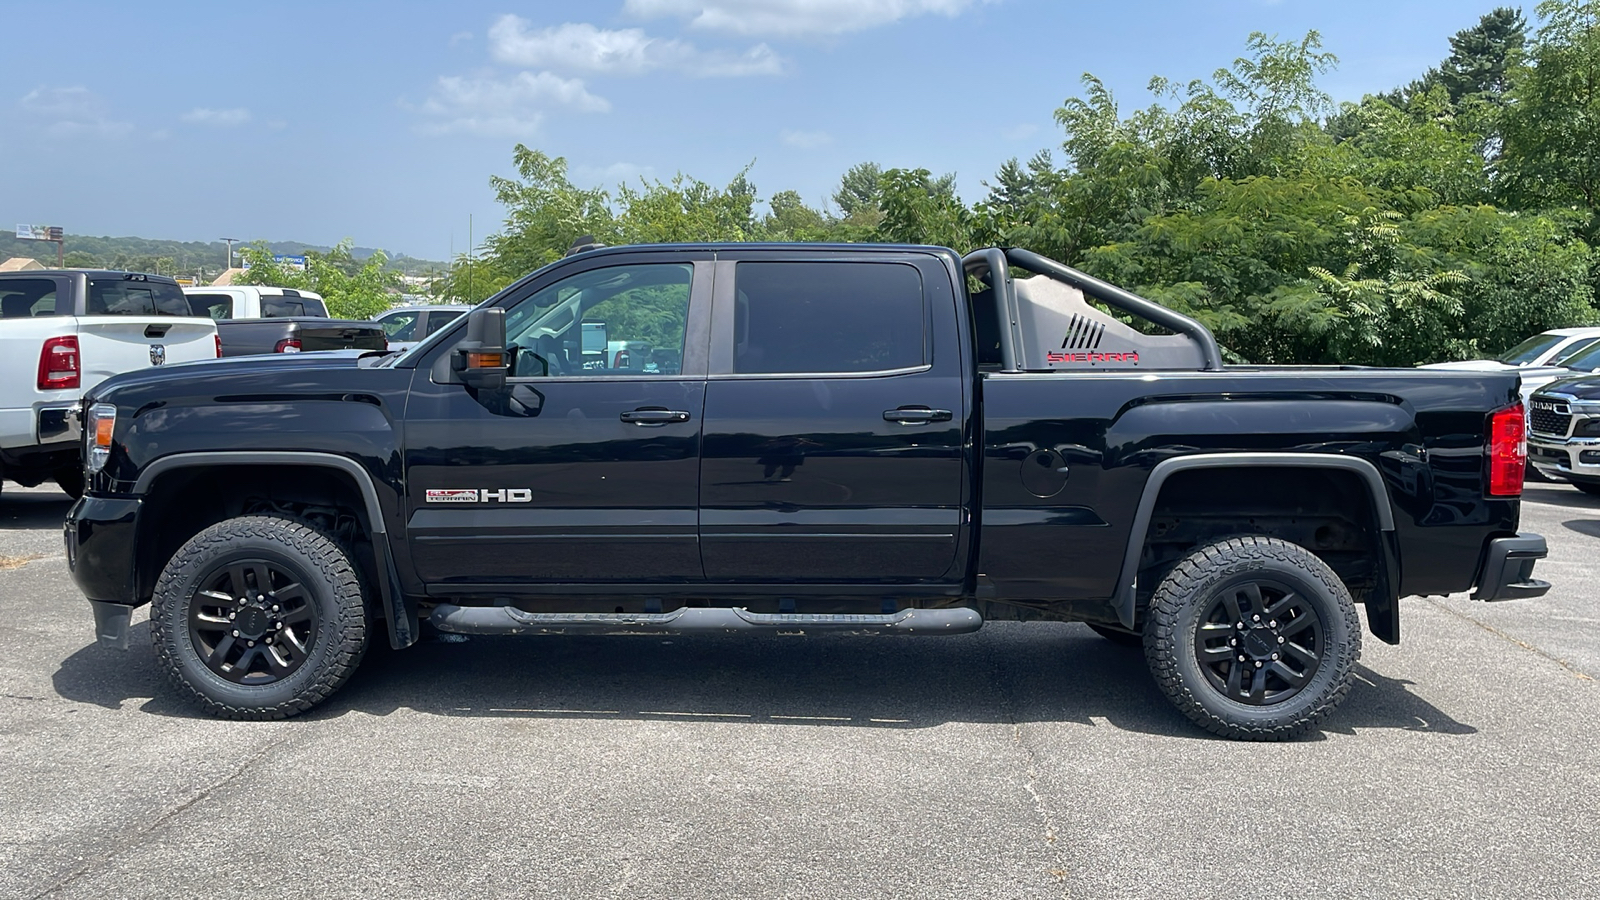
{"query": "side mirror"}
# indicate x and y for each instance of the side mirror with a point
(481, 358)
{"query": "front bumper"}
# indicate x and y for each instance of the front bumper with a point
(1507, 572)
(1563, 458)
(99, 534)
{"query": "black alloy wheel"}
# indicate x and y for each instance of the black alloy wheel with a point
(1259, 642)
(259, 617)
(1253, 638)
(252, 621)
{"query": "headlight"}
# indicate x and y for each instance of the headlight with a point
(1587, 428)
(97, 430)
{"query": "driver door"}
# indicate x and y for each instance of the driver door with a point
(586, 467)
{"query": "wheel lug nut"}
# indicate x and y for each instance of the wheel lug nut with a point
(1258, 663)
(1241, 657)
(280, 626)
(1240, 626)
(1280, 638)
(236, 634)
(232, 616)
(1234, 642)
(1255, 618)
(275, 609)
(1274, 656)
(1272, 624)
(253, 643)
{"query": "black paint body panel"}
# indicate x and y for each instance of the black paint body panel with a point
(796, 481)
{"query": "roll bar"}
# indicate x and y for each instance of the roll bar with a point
(996, 261)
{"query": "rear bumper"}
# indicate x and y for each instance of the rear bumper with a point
(99, 533)
(1507, 572)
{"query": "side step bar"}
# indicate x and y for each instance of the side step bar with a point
(698, 620)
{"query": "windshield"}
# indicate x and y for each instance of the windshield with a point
(1530, 349)
(1587, 360)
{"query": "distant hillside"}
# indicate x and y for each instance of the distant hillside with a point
(171, 257)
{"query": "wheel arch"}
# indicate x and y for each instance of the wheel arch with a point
(1383, 611)
(399, 612)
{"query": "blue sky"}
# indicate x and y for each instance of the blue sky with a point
(382, 122)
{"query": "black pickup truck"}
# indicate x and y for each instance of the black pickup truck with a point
(885, 440)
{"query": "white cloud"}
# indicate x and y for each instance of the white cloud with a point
(460, 37)
(806, 140)
(582, 47)
(514, 107)
(71, 111)
(220, 118)
(616, 173)
(793, 17)
(1020, 131)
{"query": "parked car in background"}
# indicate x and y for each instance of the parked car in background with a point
(406, 326)
(255, 319)
(1542, 349)
(63, 331)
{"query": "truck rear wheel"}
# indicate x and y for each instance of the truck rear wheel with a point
(1253, 638)
(259, 617)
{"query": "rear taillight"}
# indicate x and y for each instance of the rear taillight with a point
(58, 364)
(1508, 452)
(217, 340)
(287, 345)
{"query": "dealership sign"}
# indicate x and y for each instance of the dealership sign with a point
(39, 232)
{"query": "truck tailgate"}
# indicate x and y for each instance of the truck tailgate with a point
(114, 344)
(337, 334)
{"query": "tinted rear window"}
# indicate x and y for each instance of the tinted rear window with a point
(1530, 349)
(21, 298)
(132, 297)
(827, 317)
(282, 306)
(212, 306)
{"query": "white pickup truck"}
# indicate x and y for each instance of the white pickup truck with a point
(63, 331)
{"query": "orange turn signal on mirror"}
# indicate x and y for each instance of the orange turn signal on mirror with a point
(479, 360)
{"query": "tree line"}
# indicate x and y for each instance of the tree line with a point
(1447, 218)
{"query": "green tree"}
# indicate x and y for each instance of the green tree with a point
(1551, 155)
(352, 290)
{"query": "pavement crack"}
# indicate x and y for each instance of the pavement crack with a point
(139, 837)
(1537, 651)
(1032, 776)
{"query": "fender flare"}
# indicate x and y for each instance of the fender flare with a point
(400, 613)
(1126, 599)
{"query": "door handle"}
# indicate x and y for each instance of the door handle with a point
(916, 415)
(654, 417)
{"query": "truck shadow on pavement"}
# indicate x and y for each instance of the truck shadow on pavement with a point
(1006, 674)
(33, 511)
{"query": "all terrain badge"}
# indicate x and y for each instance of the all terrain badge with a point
(473, 495)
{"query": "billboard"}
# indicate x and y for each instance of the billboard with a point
(297, 263)
(39, 232)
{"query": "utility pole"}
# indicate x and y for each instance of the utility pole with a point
(230, 242)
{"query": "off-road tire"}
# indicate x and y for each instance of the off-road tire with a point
(1192, 587)
(70, 480)
(332, 587)
(1117, 636)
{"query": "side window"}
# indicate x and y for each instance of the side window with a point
(439, 318)
(400, 326)
(800, 317)
(212, 306)
(22, 298)
(622, 320)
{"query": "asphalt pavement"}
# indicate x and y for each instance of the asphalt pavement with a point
(1027, 760)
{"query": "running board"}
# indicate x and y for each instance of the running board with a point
(699, 620)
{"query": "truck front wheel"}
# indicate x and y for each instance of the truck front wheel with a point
(259, 617)
(1253, 638)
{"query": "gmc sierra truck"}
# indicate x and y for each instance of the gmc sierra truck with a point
(877, 440)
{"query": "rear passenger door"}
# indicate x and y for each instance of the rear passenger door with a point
(834, 419)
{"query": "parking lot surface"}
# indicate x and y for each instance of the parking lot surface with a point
(1022, 761)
